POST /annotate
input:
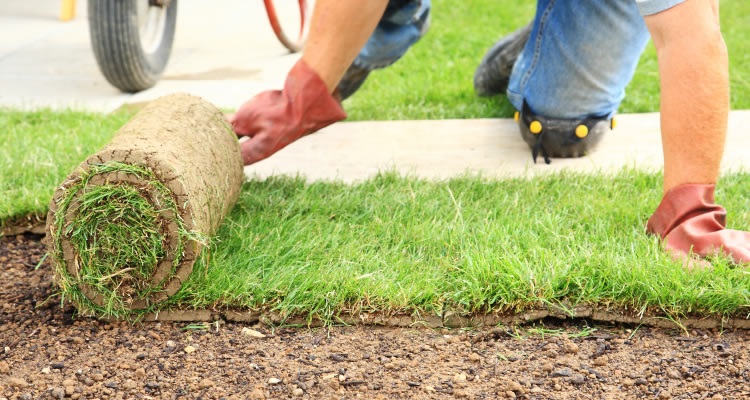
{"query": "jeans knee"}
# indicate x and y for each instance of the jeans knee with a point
(403, 24)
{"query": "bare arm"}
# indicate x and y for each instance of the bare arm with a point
(338, 31)
(275, 118)
(694, 77)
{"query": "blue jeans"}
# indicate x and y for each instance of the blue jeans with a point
(576, 64)
(580, 56)
(403, 24)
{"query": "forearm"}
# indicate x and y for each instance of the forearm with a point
(693, 70)
(338, 31)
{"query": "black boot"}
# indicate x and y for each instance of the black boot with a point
(561, 138)
(493, 73)
(353, 78)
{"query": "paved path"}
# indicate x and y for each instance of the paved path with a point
(493, 147)
(225, 52)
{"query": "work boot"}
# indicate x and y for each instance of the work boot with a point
(493, 73)
(561, 138)
(353, 79)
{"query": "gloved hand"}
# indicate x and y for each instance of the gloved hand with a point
(274, 119)
(687, 219)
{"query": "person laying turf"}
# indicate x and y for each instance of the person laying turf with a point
(565, 74)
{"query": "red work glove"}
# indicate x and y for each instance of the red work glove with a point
(687, 219)
(276, 118)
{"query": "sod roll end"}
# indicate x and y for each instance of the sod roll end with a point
(126, 227)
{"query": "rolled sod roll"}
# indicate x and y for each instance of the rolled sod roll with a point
(126, 227)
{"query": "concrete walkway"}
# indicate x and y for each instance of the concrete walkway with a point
(225, 52)
(493, 147)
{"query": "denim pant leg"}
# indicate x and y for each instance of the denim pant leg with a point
(579, 58)
(403, 24)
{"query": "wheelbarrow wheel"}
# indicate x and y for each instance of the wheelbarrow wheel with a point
(292, 33)
(132, 40)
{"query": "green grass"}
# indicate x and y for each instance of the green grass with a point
(466, 245)
(403, 245)
(40, 149)
(434, 80)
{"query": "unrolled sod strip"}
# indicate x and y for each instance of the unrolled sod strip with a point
(126, 227)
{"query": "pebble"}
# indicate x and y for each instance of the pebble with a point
(577, 379)
(570, 348)
(57, 393)
(565, 372)
(274, 381)
(4, 367)
(189, 349)
(460, 377)
(46, 370)
(171, 343)
(129, 385)
(16, 382)
(674, 374)
(206, 383)
(252, 333)
(298, 392)
(474, 357)
(514, 386)
(601, 361)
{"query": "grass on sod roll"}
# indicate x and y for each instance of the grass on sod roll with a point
(118, 235)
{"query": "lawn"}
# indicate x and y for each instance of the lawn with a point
(403, 245)
(465, 245)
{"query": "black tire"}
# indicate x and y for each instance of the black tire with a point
(130, 61)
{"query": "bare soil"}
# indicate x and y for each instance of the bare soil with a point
(46, 352)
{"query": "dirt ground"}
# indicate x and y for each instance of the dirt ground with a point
(48, 353)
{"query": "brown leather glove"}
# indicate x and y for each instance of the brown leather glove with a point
(687, 219)
(276, 118)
